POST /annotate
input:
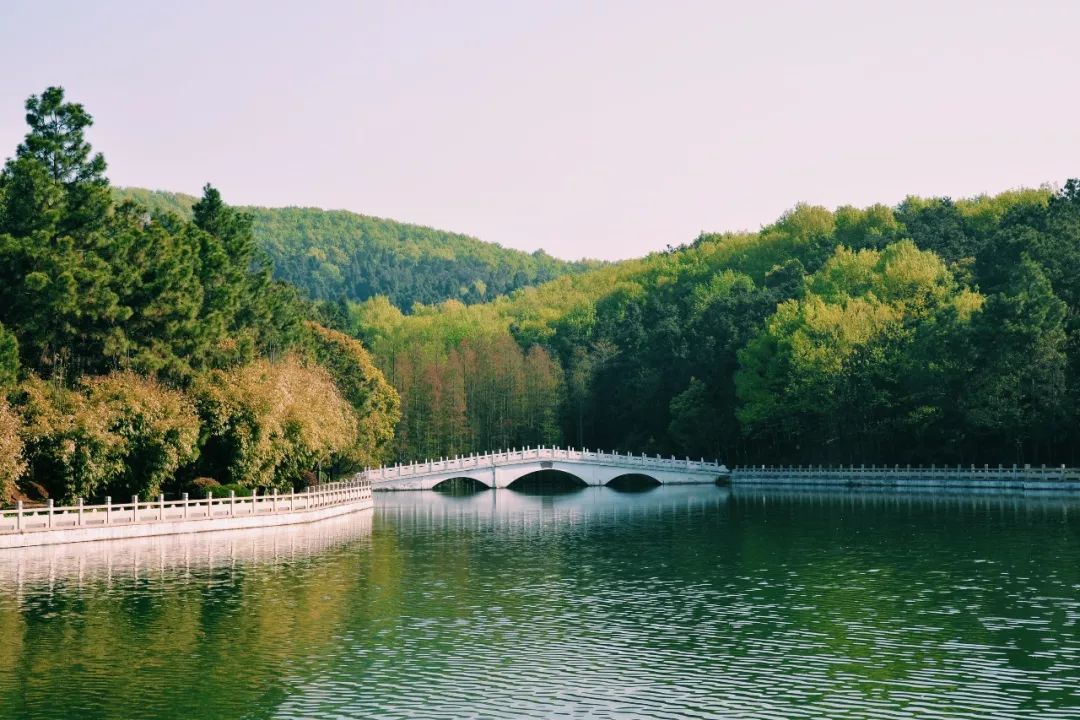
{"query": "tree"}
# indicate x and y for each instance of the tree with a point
(12, 462)
(9, 359)
(156, 272)
(118, 435)
(57, 141)
(33, 201)
(824, 375)
(267, 423)
(157, 430)
(56, 292)
(1018, 346)
(71, 451)
(374, 401)
(937, 225)
(694, 416)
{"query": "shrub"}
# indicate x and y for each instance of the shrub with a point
(201, 484)
(222, 491)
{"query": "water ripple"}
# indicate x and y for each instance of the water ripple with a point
(681, 602)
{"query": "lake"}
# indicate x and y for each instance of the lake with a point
(675, 602)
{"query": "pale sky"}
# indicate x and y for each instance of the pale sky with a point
(601, 129)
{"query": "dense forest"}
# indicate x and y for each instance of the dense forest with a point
(935, 331)
(333, 255)
(151, 342)
(146, 353)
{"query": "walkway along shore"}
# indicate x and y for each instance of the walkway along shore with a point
(50, 525)
(934, 477)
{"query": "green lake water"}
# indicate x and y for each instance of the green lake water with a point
(677, 602)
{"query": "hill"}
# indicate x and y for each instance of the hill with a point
(933, 331)
(334, 254)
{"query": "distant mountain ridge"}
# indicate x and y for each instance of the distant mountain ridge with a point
(335, 254)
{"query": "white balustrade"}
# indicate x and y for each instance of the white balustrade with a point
(518, 456)
(49, 516)
(943, 472)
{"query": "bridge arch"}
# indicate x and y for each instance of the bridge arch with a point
(547, 480)
(633, 482)
(461, 484)
(504, 468)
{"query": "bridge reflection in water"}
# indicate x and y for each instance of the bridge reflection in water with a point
(545, 511)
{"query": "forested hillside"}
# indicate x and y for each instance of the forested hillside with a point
(146, 355)
(147, 347)
(935, 331)
(334, 255)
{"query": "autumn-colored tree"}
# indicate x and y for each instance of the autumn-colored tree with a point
(71, 450)
(118, 435)
(12, 463)
(374, 401)
(158, 429)
(266, 423)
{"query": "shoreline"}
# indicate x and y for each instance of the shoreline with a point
(64, 536)
(933, 478)
(51, 525)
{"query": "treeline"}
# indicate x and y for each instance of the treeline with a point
(142, 353)
(935, 331)
(146, 345)
(334, 255)
(465, 384)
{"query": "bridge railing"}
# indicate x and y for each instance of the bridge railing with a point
(529, 454)
(138, 511)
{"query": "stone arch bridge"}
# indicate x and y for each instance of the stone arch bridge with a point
(501, 469)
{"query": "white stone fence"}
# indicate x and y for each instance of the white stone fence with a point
(531, 454)
(942, 472)
(136, 512)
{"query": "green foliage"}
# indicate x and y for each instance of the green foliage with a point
(374, 401)
(336, 254)
(938, 330)
(88, 287)
(266, 422)
(872, 334)
(332, 254)
(694, 422)
(71, 450)
(1018, 390)
(9, 359)
(57, 140)
(825, 366)
(159, 203)
(229, 490)
(111, 311)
